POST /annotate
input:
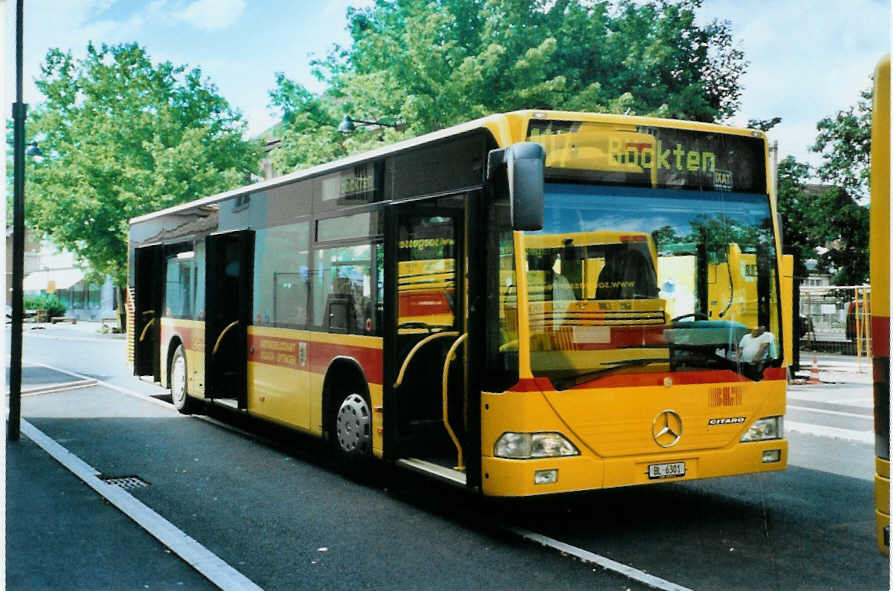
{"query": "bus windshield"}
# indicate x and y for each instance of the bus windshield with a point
(625, 279)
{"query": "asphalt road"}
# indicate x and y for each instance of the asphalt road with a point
(277, 510)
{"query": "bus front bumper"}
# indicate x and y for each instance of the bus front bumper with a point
(516, 478)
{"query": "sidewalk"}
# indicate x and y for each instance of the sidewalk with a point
(60, 534)
(843, 379)
(82, 329)
(836, 369)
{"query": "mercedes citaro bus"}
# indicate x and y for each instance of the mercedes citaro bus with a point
(529, 303)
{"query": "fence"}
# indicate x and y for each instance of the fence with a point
(836, 319)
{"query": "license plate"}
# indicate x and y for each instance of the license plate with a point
(674, 470)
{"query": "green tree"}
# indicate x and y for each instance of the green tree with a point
(796, 224)
(844, 142)
(431, 64)
(763, 124)
(824, 222)
(122, 137)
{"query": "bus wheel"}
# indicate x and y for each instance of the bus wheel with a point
(353, 428)
(178, 374)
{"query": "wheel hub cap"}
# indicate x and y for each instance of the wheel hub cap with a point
(354, 425)
(178, 379)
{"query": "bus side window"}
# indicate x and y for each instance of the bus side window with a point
(342, 290)
(178, 291)
(281, 275)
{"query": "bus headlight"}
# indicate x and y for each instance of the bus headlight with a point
(765, 428)
(524, 446)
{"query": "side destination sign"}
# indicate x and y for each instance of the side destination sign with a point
(649, 156)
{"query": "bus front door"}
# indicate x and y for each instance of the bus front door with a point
(227, 314)
(427, 324)
(148, 298)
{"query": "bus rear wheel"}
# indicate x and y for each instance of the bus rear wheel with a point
(353, 428)
(182, 402)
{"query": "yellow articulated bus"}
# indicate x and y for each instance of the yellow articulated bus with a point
(530, 303)
(880, 295)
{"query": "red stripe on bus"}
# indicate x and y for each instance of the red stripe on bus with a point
(650, 379)
(532, 385)
(880, 336)
(370, 359)
(679, 378)
(283, 352)
(425, 303)
(193, 338)
(617, 338)
(274, 351)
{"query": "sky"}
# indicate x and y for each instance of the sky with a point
(808, 58)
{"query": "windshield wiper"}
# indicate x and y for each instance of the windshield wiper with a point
(588, 376)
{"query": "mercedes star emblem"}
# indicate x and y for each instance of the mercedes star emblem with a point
(667, 428)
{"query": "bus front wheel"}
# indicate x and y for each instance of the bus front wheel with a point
(178, 374)
(353, 428)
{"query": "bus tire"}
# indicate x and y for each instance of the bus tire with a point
(178, 380)
(352, 429)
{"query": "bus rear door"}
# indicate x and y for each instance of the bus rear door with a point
(228, 313)
(148, 288)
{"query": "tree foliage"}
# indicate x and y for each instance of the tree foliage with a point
(828, 221)
(431, 64)
(825, 223)
(844, 142)
(122, 137)
(763, 124)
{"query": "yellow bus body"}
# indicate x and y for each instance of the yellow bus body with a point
(610, 424)
(282, 387)
(880, 292)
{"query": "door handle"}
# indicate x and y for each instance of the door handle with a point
(446, 415)
(419, 345)
(222, 333)
(146, 328)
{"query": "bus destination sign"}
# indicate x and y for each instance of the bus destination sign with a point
(650, 156)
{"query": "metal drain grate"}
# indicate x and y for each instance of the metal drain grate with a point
(125, 482)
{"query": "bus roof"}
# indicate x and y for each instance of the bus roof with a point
(507, 128)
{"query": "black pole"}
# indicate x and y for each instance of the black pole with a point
(19, 110)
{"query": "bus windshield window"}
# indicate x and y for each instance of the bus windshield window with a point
(627, 280)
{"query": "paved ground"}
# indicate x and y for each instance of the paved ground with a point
(62, 535)
(287, 519)
(283, 518)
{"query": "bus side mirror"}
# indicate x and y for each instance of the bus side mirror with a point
(525, 164)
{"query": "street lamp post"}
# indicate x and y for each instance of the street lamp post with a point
(19, 113)
(348, 124)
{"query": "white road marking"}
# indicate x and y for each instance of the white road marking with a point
(140, 395)
(200, 558)
(830, 432)
(53, 388)
(833, 412)
(150, 398)
(602, 561)
(64, 338)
